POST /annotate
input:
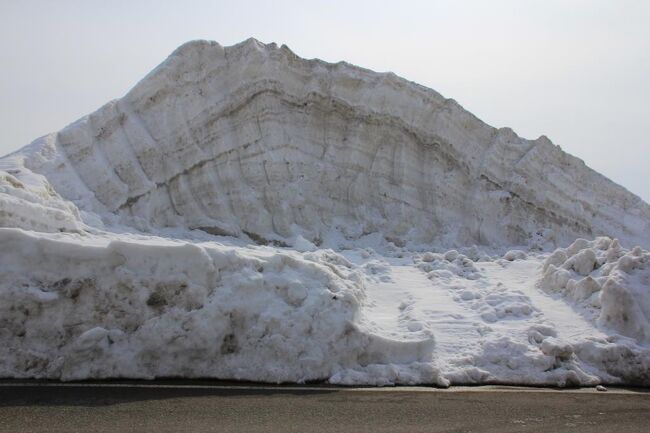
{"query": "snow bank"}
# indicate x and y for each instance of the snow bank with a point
(79, 307)
(87, 306)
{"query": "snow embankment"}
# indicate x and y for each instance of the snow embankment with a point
(98, 308)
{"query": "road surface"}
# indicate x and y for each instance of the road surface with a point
(179, 407)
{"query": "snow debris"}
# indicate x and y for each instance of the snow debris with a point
(607, 281)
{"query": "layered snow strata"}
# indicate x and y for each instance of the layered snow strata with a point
(28, 201)
(86, 307)
(253, 139)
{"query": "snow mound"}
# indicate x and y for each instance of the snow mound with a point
(79, 308)
(611, 283)
(243, 213)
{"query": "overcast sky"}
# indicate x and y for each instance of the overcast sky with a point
(577, 71)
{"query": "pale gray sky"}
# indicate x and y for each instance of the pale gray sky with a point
(577, 71)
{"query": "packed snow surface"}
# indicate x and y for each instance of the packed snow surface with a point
(243, 213)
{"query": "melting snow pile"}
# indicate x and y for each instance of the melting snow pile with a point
(158, 308)
(246, 214)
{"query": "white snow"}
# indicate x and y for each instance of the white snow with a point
(161, 308)
(246, 214)
(606, 282)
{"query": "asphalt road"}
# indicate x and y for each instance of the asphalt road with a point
(194, 407)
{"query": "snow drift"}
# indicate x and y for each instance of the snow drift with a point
(217, 221)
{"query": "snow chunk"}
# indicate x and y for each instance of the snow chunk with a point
(513, 255)
(609, 282)
(303, 245)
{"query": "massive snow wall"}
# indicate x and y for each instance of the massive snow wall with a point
(253, 139)
(370, 179)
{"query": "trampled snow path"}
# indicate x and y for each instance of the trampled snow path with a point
(409, 305)
(470, 320)
(567, 321)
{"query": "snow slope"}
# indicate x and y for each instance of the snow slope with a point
(243, 213)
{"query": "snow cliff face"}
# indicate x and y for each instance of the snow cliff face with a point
(253, 139)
